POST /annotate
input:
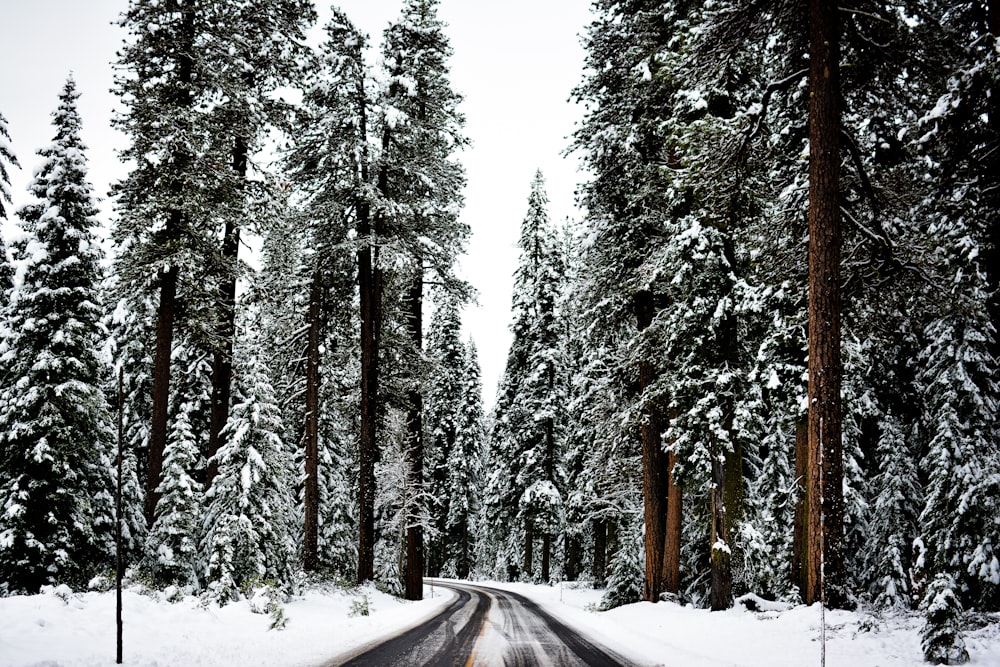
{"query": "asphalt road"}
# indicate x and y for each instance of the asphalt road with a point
(485, 627)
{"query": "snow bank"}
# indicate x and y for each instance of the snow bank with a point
(671, 634)
(78, 630)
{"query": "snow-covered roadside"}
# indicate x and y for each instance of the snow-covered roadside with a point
(669, 634)
(47, 631)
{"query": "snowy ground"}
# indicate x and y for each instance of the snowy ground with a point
(56, 630)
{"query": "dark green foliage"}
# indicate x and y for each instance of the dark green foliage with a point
(55, 429)
(941, 636)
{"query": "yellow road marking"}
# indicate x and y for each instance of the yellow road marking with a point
(482, 631)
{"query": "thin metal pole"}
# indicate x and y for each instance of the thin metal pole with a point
(118, 518)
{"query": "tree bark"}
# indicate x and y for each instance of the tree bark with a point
(824, 567)
(600, 555)
(370, 300)
(529, 550)
(654, 467)
(546, 548)
(727, 468)
(167, 307)
(222, 358)
(672, 535)
(414, 576)
(572, 547)
(161, 384)
(310, 547)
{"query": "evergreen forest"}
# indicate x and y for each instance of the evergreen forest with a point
(761, 363)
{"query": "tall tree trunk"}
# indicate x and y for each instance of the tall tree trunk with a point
(222, 358)
(727, 466)
(992, 258)
(672, 535)
(825, 564)
(654, 467)
(574, 557)
(722, 576)
(370, 291)
(161, 383)
(546, 548)
(529, 550)
(414, 576)
(599, 560)
(167, 308)
(310, 547)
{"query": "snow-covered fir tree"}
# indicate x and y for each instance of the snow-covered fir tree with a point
(7, 159)
(465, 472)
(525, 475)
(248, 531)
(172, 544)
(56, 488)
(445, 396)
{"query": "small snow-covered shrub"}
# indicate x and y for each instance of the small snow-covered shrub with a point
(941, 636)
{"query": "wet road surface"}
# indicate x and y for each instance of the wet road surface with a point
(485, 627)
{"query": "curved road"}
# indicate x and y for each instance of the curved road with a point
(485, 627)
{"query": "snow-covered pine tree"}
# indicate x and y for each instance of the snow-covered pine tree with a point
(254, 49)
(445, 394)
(330, 163)
(167, 201)
(172, 544)
(464, 468)
(892, 527)
(7, 158)
(56, 488)
(625, 573)
(531, 400)
(419, 175)
(941, 636)
(624, 141)
(249, 509)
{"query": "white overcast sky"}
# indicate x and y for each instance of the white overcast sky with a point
(515, 62)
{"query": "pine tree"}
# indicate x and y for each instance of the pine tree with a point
(55, 429)
(941, 636)
(172, 544)
(248, 532)
(893, 523)
(7, 157)
(531, 401)
(464, 468)
(445, 394)
(421, 130)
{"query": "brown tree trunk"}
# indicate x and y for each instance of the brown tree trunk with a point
(824, 567)
(727, 472)
(800, 530)
(722, 577)
(310, 547)
(672, 535)
(167, 307)
(654, 468)
(370, 299)
(600, 555)
(414, 576)
(161, 385)
(222, 359)
(369, 280)
(572, 547)
(546, 547)
(529, 551)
